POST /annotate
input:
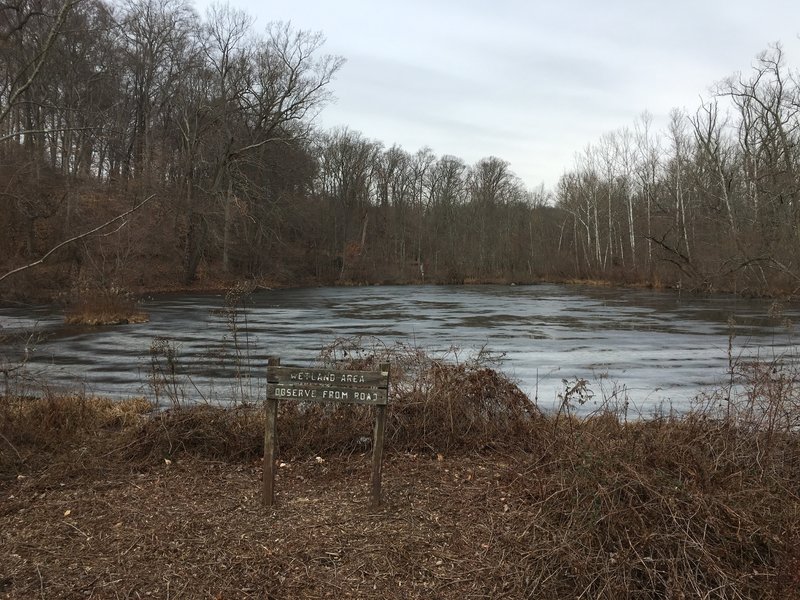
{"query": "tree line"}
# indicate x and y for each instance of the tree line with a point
(710, 203)
(104, 104)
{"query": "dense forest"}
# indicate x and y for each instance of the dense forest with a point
(205, 126)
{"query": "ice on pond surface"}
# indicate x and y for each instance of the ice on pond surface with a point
(652, 346)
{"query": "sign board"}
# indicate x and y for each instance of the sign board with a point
(327, 385)
(324, 385)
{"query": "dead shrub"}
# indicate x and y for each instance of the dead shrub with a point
(436, 404)
(233, 434)
(666, 508)
(34, 430)
(461, 407)
(103, 306)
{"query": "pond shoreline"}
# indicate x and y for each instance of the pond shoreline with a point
(222, 286)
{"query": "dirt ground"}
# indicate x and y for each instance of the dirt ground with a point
(197, 529)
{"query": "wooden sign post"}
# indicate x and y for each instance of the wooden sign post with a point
(324, 385)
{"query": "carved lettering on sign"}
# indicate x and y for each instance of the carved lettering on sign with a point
(313, 377)
(299, 393)
(332, 377)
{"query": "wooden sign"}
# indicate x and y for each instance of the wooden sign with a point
(324, 385)
(327, 385)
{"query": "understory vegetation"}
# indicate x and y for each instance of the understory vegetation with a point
(485, 496)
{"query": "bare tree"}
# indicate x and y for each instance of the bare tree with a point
(680, 151)
(648, 172)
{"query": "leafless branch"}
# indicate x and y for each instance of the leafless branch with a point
(77, 238)
(14, 134)
(39, 61)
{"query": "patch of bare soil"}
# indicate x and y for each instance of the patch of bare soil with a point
(501, 526)
(197, 529)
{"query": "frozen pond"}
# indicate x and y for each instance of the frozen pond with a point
(655, 347)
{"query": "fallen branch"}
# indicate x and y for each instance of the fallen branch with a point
(77, 238)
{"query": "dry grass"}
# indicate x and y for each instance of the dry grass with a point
(104, 307)
(34, 432)
(590, 282)
(485, 497)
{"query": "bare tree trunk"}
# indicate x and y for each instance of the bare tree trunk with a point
(597, 253)
(680, 211)
(227, 227)
(632, 232)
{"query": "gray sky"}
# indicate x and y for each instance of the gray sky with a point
(530, 82)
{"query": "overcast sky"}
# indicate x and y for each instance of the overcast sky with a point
(530, 82)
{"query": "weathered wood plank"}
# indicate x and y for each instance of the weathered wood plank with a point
(328, 377)
(326, 393)
(270, 445)
(377, 448)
